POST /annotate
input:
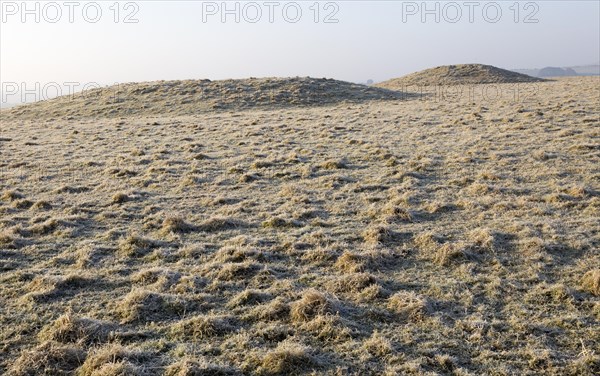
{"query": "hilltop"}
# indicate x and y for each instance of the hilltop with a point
(176, 98)
(462, 74)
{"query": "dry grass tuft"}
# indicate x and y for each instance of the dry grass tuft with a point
(278, 222)
(232, 271)
(136, 246)
(448, 253)
(176, 224)
(312, 304)
(120, 198)
(378, 234)
(378, 345)
(217, 224)
(22, 204)
(354, 283)
(115, 360)
(288, 358)
(427, 241)
(554, 294)
(42, 205)
(45, 228)
(44, 288)
(7, 238)
(142, 305)
(200, 327)
(117, 368)
(11, 195)
(247, 297)
(408, 305)
(350, 262)
(276, 309)
(70, 329)
(591, 282)
(327, 328)
(189, 367)
(334, 164)
(395, 213)
(482, 240)
(49, 358)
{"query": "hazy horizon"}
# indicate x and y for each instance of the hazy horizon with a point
(346, 40)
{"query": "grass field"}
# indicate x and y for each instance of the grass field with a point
(437, 234)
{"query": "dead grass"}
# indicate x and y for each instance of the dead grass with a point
(436, 235)
(312, 304)
(449, 253)
(379, 346)
(217, 224)
(191, 367)
(591, 282)
(114, 360)
(48, 358)
(176, 224)
(408, 305)
(143, 305)
(136, 246)
(71, 329)
(350, 262)
(355, 283)
(287, 358)
(200, 327)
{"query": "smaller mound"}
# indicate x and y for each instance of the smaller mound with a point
(175, 98)
(462, 74)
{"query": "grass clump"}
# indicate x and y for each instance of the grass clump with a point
(190, 367)
(408, 305)
(200, 327)
(120, 198)
(7, 238)
(287, 358)
(247, 297)
(278, 222)
(42, 205)
(176, 224)
(45, 228)
(312, 304)
(142, 305)
(350, 262)
(136, 246)
(49, 358)
(276, 309)
(395, 213)
(115, 360)
(354, 283)
(327, 328)
(377, 345)
(71, 329)
(334, 164)
(11, 195)
(377, 235)
(448, 253)
(232, 271)
(591, 282)
(217, 224)
(555, 294)
(482, 240)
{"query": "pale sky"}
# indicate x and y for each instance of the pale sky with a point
(372, 39)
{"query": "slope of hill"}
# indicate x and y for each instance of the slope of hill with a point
(198, 96)
(462, 74)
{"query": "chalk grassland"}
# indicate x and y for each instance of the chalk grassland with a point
(423, 235)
